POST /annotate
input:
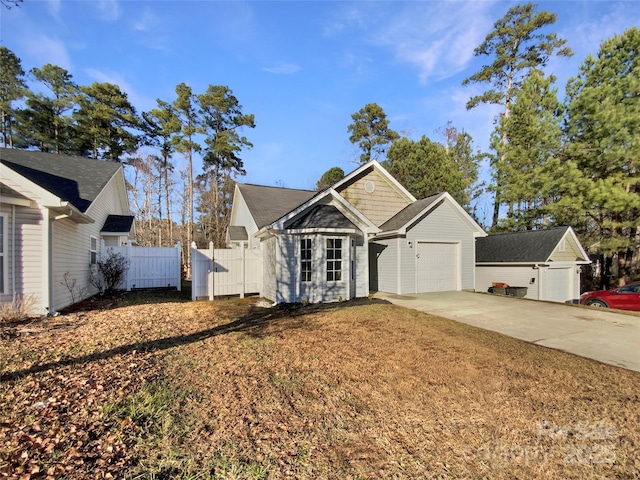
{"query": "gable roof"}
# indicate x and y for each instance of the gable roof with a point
(322, 216)
(409, 212)
(374, 165)
(268, 204)
(405, 218)
(76, 180)
(531, 246)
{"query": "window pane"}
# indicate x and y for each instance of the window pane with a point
(329, 276)
(330, 254)
(337, 265)
(338, 276)
(338, 243)
(338, 254)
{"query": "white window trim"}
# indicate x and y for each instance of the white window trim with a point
(310, 260)
(91, 250)
(341, 260)
(3, 253)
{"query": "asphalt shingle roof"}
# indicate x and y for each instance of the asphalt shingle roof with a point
(531, 246)
(238, 233)
(322, 216)
(405, 215)
(268, 204)
(118, 223)
(74, 179)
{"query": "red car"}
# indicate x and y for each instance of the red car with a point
(623, 298)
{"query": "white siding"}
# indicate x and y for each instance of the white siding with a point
(362, 267)
(513, 275)
(241, 216)
(441, 225)
(28, 252)
(71, 243)
(269, 268)
(287, 264)
(383, 255)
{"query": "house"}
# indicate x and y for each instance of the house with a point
(366, 232)
(54, 212)
(547, 262)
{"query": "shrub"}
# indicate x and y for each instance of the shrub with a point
(111, 272)
(18, 309)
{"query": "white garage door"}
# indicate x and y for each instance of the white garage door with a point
(558, 284)
(437, 265)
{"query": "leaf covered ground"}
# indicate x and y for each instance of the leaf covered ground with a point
(154, 386)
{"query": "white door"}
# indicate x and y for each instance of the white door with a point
(437, 267)
(559, 287)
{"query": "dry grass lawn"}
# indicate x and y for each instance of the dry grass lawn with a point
(158, 387)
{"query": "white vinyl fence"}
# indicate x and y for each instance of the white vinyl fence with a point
(225, 271)
(149, 267)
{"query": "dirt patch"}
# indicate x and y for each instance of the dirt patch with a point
(164, 388)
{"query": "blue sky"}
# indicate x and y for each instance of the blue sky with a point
(301, 67)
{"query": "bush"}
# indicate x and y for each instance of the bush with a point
(18, 309)
(111, 272)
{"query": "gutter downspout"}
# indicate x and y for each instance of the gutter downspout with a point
(13, 252)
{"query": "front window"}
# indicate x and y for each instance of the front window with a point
(334, 259)
(93, 250)
(305, 259)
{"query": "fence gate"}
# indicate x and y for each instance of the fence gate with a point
(149, 267)
(225, 271)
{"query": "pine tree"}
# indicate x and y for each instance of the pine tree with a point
(370, 130)
(12, 88)
(531, 154)
(603, 130)
(517, 49)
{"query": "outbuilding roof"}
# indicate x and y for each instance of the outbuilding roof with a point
(237, 233)
(268, 204)
(76, 180)
(531, 246)
(117, 224)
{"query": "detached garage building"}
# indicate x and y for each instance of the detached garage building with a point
(547, 262)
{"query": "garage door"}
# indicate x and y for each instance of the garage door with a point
(559, 285)
(437, 265)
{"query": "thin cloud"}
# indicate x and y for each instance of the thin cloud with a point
(437, 38)
(140, 101)
(47, 50)
(283, 69)
(109, 10)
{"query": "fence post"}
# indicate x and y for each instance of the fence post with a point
(194, 273)
(243, 258)
(178, 254)
(211, 276)
(128, 275)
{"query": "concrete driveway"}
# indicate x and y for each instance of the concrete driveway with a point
(602, 335)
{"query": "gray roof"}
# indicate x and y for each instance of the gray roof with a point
(74, 179)
(268, 204)
(405, 215)
(322, 216)
(118, 224)
(531, 246)
(238, 233)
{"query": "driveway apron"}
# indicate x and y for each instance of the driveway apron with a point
(602, 335)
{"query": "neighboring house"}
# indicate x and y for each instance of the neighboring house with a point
(547, 262)
(366, 232)
(54, 212)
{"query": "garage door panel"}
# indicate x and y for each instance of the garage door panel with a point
(437, 267)
(559, 284)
